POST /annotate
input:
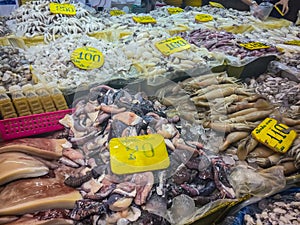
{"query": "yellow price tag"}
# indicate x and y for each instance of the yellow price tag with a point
(138, 154)
(116, 12)
(278, 137)
(217, 5)
(254, 45)
(66, 9)
(293, 42)
(87, 58)
(203, 18)
(172, 45)
(144, 19)
(175, 10)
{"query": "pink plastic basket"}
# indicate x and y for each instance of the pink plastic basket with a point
(31, 125)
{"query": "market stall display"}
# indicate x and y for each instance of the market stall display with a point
(15, 68)
(156, 138)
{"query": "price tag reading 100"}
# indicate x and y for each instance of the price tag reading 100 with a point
(138, 154)
(172, 45)
(87, 58)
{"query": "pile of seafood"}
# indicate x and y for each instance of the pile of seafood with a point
(225, 42)
(281, 91)
(273, 36)
(32, 182)
(279, 209)
(134, 56)
(14, 67)
(230, 111)
(195, 178)
(34, 18)
(140, 47)
(3, 27)
(52, 62)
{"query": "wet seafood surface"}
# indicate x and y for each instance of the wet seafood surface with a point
(52, 63)
(281, 91)
(195, 175)
(282, 208)
(227, 43)
(34, 19)
(4, 30)
(14, 67)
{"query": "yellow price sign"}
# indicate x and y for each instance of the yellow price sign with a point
(278, 137)
(87, 58)
(175, 10)
(144, 19)
(293, 42)
(116, 12)
(138, 154)
(217, 5)
(203, 18)
(66, 9)
(172, 45)
(254, 45)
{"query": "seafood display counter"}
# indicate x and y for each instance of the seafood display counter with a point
(178, 116)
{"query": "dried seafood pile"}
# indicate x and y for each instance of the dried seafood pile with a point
(14, 67)
(34, 18)
(225, 42)
(140, 48)
(52, 62)
(232, 111)
(282, 92)
(273, 36)
(194, 178)
(32, 182)
(280, 209)
(3, 27)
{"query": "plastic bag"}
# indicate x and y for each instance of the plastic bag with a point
(247, 180)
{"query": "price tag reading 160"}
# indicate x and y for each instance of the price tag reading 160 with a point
(66, 9)
(138, 154)
(254, 45)
(87, 58)
(172, 45)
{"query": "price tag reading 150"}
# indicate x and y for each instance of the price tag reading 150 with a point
(278, 137)
(203, 18)
(175, 10)
(87, 58)
(172, 45)
(138, 154)
(254, 45)
(66, 9)
(116, 12)
(144, 19)
(293, 42)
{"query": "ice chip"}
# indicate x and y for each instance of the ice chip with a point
(183, 208)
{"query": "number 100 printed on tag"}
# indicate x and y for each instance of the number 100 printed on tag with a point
(172, 45)
(138, 154)
(87, 58)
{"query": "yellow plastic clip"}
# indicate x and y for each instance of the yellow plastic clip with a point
(280, 12)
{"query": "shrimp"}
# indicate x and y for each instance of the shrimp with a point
(232, 138)
(230, 127)
(218, 93)
(246, 146)
(252, 117)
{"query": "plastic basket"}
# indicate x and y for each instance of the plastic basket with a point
(32, 125)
